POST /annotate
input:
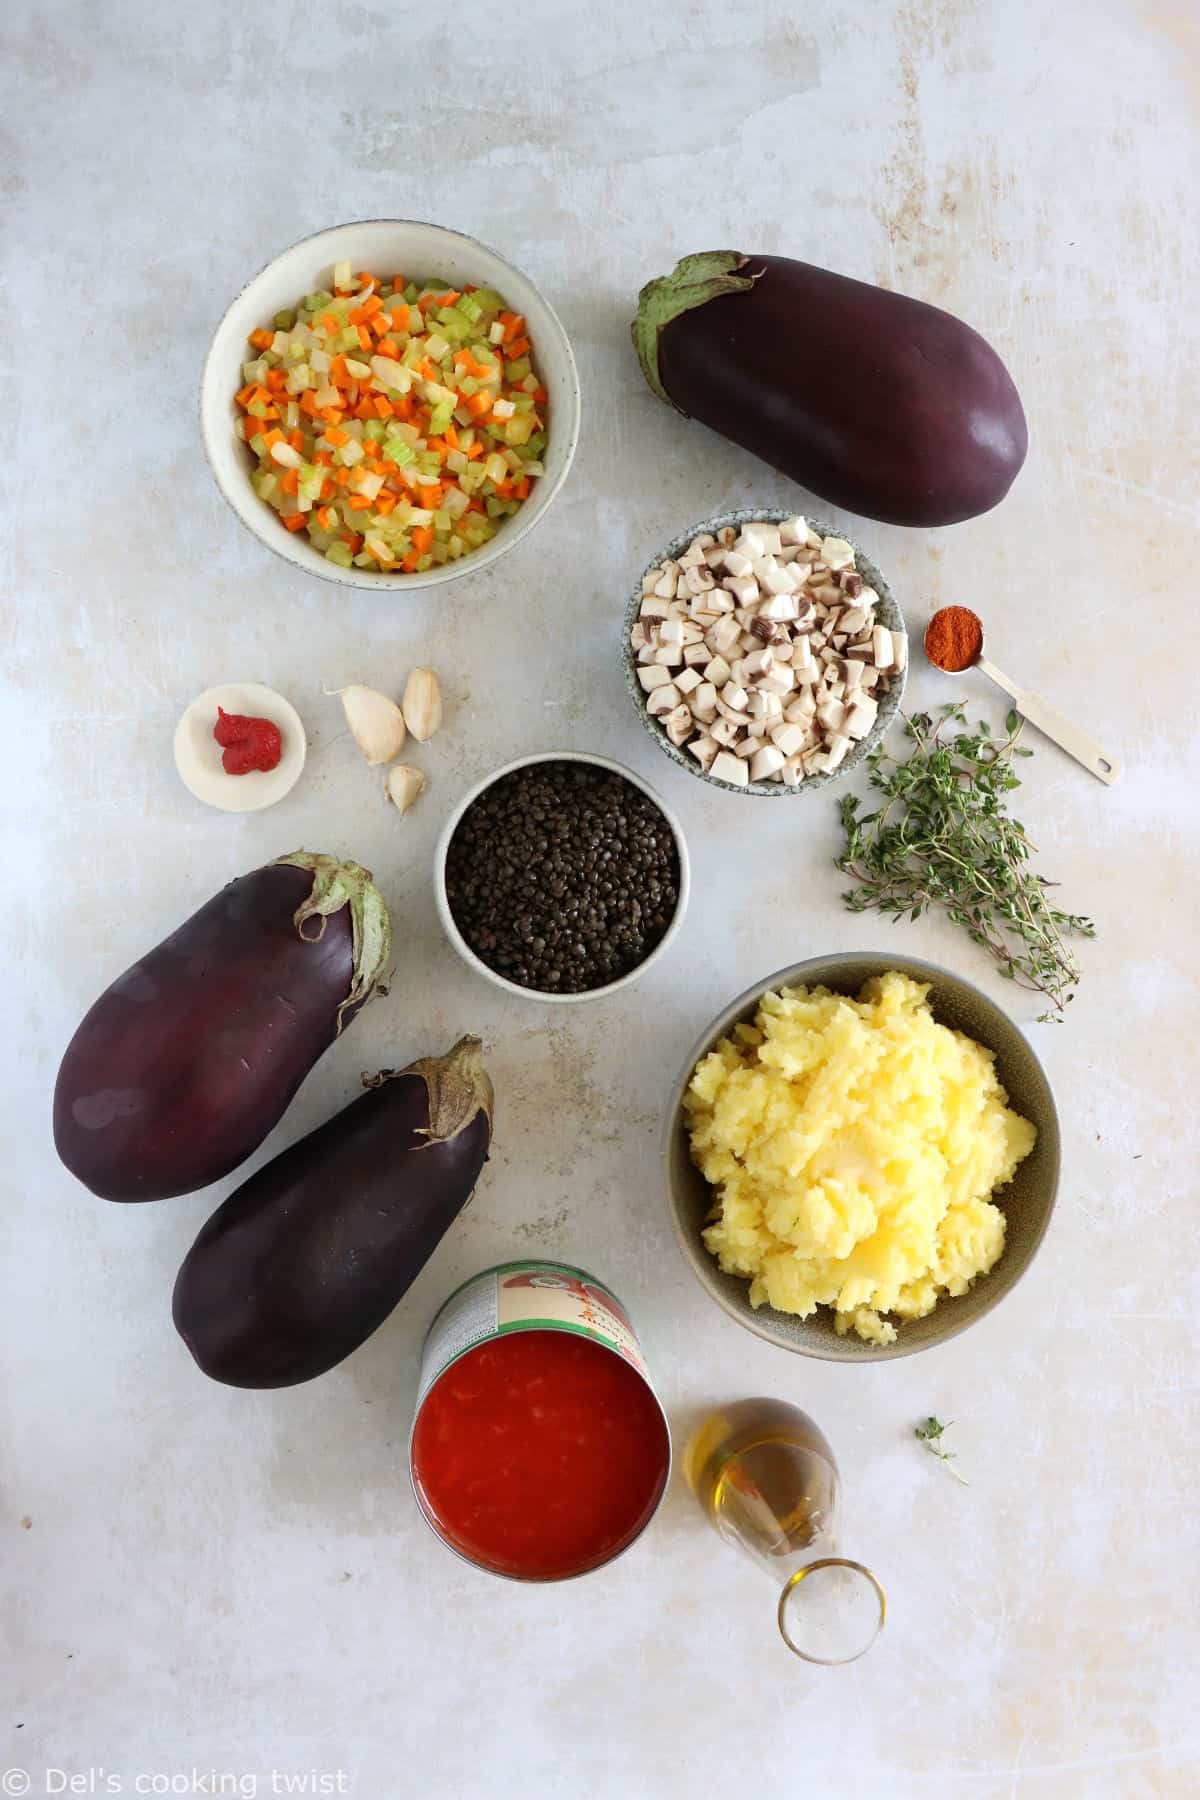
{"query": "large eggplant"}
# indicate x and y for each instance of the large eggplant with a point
(185, 1064)
(878, 403)
(309, 1256)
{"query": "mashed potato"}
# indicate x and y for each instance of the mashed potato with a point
(854, 1146)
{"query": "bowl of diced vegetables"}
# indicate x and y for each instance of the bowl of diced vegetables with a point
(389, 404)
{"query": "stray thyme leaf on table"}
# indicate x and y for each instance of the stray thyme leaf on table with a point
(930, 1434)
(942, 837)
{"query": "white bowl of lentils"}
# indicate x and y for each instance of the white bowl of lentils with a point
(561, 877)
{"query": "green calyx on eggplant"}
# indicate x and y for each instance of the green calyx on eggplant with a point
(192, 1056)
(309, 1256)
(881, 404)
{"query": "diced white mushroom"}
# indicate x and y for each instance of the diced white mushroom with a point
(757, 662)
(667, 582)
(669, 654)
(699, 580)
(725, 634)
(663, 700)
(868, 598)
(736, 563)
(704, 749)
(765, 706)
(778, 680)
(793, 531)
(881, 647)
(785, 649)
(788, 739)
(718, 672)
(851, 671)
(724, 732)
(813, 539)
(696, 655)
(692, 556)
(692, 633)
(726, 535)
(671, 631)
(766, 761)
(726, 767)
(831, 714)
(703, 701)
(715, 558)
(837, 553)
(678, 726)
(802, 709)
(687, 680)
(654, 676)
(744, 588)
(648, 581)
(648, 651)
(853, 619)
(747, 747)
(756, 729)
(792, 774)
(899, 650)
(861, 716)
(654, 608)
(637, 637)
(734, 695)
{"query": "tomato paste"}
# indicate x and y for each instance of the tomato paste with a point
(541, 1450)
(248, 744)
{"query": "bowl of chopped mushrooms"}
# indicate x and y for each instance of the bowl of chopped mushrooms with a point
(764, 652)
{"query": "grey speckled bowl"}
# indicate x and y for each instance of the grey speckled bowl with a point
(1027, 1202)
(887, 612)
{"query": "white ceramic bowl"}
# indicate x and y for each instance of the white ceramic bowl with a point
(421, 251)
(198, 755)
(460, 943)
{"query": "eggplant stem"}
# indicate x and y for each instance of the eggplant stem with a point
(458, 1086)
(692, 282)
(334, 885)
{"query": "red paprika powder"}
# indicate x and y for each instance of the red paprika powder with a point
(953, 638)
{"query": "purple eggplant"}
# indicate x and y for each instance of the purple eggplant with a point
(185, 1064)
(310, 1255)
(878, 403)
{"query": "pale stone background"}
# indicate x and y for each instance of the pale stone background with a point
(214, 1580)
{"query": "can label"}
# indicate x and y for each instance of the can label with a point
(527, 1296)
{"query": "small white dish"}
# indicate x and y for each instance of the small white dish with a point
(514, 987)
(198, 754)
(385, 246)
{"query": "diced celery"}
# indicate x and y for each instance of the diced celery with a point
(257, 409)
(519, 369)
(429, 462)
(397, 451)
(315, 302)
(339, 553)
(456, 503)
(531, 384)
(494, 507)
(350, 453)
(412, 354)
(488, 300)
(470, 308)
(376, 430)
(532, 468)
(343, 274)
(536, 444)
(456, 462)
(440, 417)
(523, 403)
(441, 552)
(495, 467)
(263, 483)
(423, 563)
(258, 444)
(363, 560)
(468, 386)
(441, 520)
(411, 293)
(416, 321)
(519, 429)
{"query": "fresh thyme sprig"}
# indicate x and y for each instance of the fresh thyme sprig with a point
(943, 837)
(930, 1434)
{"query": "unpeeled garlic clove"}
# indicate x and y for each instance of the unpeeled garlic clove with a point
(422, 704)
(377, 723)
(403, 784)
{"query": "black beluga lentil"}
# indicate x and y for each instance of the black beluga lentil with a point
(562, 876)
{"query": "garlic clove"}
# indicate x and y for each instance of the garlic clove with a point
(422, 704)
(376, 723)
(403, 784)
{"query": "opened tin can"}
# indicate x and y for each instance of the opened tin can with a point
(540, 1450)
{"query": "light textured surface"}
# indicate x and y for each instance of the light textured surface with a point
(213, 1580)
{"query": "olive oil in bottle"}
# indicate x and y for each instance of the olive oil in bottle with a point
(767, 1480)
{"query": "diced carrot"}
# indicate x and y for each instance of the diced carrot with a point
(541, 395)
(354, 539)
(479, 403)
(384, 502)
(342, 477)
(296, 439)
(308, 405)
(339, 373)
(276, 381)
(328, 490)
(388, 347)
(447, 299)
(364, 337)
(245, 395)
(403, 408)
(522, 488)
(518, 347)
(380, 325)
(438, 445)
(476, 506)
(289, 481)
(452, 436)
(330, 324)
(364, 410)
(422, 537)
(337, 437)
(475, 450)
(383, 406)
(332, 415)
(326, 518)
(427, 370)
(273, 436)
(270, 412)
(400, 318)
(409, 565)
(261, 339)
(431, 495)
(295, 521)
(359, 503)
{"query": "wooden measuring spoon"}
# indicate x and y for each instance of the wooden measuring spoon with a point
(1031, 706)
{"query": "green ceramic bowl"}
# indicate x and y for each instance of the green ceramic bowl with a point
(1027, 1201)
